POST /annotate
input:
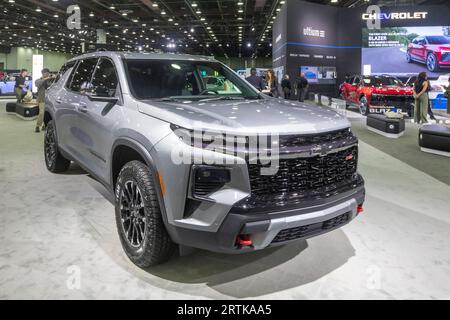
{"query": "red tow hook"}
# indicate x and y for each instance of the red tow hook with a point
(360, 209)
(244, 240)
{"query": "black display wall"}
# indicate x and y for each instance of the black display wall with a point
(309, 34)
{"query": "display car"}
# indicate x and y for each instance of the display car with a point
(8, 83)
(434, 51)
(136, 121)
(378, 94)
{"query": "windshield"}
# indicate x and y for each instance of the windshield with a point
(382, 81)
(438, 40)
(167, 79)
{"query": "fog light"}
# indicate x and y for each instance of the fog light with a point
(208, 180)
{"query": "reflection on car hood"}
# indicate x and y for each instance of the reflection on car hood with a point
(247, 116)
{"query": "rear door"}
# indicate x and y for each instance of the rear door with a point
(75, 104)
(354, 88)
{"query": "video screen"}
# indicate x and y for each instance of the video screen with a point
(319, 75)
(406, 51)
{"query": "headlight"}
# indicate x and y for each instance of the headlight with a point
(197, 138)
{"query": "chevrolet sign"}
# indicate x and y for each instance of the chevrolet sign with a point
(395, 16)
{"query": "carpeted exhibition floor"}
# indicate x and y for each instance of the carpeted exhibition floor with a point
(58, 229)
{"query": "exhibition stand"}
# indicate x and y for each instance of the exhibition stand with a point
(328, 44)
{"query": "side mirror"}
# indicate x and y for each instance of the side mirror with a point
(101, 95)
(93, 97)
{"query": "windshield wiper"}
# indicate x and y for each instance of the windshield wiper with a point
(172, 99)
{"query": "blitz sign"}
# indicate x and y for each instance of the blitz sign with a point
(395, 16)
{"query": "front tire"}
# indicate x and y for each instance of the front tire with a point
(138, 217)
(432, 63)
(54, 160)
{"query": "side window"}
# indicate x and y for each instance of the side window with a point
(63, 70)
(105, 79)
(356, 81)
(82, 76)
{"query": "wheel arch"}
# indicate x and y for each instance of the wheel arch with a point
(137, 149)
(125, 150)
(47, 117)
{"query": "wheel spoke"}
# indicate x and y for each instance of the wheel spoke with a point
(132, 210)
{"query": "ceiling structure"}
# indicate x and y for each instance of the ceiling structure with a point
(212, 27)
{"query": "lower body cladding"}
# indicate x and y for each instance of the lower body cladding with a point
(240, 233)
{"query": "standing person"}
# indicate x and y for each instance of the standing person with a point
(447, 95)
(255, 80)
(272, 84)
(20, 85)
(302, 87)
(42, 85)
(287, 87)
(421, 88)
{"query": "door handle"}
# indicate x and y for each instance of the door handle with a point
(58, 101)
(82, 109)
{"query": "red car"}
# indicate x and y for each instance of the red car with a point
(378, 94)
(434, 51)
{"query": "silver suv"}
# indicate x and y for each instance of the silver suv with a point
(198, 162)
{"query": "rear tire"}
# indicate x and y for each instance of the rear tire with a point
(408, 57)
(138, 217)
(54, 160)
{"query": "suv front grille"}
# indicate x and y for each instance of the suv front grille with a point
(303, 179)
(325, 138)
(393, 100)
(312, 229)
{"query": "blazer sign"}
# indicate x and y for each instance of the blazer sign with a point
(395, 16)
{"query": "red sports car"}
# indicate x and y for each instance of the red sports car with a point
(434, 51)
(378, 94)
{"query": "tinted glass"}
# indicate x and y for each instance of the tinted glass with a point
(157, 79)
(382, 81)
(105, 79)
(438, 40)
(63, 70)
(82, 76)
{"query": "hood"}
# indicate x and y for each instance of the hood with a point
(393, 90)
(247, 116)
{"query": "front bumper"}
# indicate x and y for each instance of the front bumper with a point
(274, 228)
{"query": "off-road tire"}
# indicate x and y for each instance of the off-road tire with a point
(54, 160)
(156, 245)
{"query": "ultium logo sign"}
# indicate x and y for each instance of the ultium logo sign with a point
(308, 31)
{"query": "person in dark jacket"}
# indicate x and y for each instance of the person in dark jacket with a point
(287, 87)
(302, 85)
(272, 84)
(42, 85)
(20, 85)
(255, 80)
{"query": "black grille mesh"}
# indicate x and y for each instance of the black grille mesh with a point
(312, 229)
(297, 179)
(325, 138)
